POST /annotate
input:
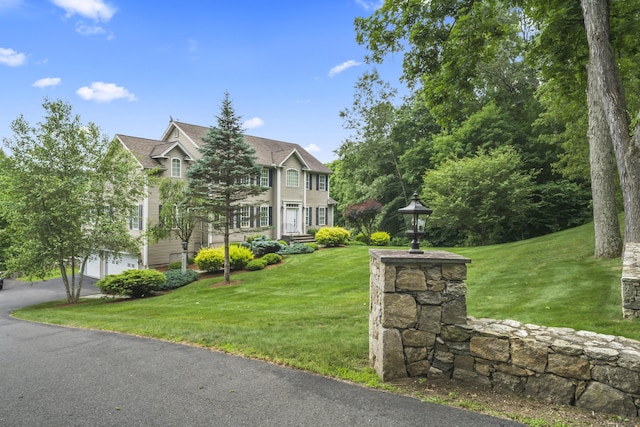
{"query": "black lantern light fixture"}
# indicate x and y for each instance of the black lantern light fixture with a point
(415, 218)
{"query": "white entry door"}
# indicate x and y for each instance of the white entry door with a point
(292, 218)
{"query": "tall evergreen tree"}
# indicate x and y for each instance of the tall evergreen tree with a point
(225, 176)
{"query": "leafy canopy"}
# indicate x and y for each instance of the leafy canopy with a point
(67, 193)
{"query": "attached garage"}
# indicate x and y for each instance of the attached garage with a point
(98, 266)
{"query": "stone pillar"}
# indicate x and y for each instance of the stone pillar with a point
(631, 281)
(417, 312)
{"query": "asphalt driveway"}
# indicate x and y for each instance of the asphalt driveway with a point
(54, 376)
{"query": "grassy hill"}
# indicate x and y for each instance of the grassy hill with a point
(552, 280)
(312, 311)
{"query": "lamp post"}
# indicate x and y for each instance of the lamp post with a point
(415, 218)
(185, 245)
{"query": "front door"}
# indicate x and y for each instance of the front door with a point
(292, 218)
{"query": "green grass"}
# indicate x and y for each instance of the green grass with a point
(312, 311)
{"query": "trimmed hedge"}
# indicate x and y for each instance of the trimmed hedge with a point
(380, 238)
(212, 259)
(296, 248)
(175, 279)
(133, 283)
(332, 236)
(264, 245)
(256, 264)
(272, 258)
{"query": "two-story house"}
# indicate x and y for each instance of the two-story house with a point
(297, 197)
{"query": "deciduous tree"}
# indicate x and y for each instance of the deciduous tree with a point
(178, 215)
(67, 192)
(609, 92)
(363, 216)
(481, 196)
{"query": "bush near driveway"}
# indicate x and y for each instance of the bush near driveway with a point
(133, 283)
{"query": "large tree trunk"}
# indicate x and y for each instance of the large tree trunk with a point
(608, 241)
(609, 85)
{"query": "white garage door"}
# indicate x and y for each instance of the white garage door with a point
(110, 265)
(92, 268)
(116, 265)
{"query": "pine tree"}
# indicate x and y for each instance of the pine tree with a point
(225, 176)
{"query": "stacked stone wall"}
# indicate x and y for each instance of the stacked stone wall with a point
(418, 326)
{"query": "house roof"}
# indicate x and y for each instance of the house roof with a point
(269, 152)
(146, 151)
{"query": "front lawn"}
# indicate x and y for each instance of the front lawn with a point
(311, 312)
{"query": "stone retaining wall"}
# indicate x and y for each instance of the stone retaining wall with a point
(418, 326)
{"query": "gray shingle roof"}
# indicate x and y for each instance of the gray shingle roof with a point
(143, 149)
(268, 151)
(146, 151)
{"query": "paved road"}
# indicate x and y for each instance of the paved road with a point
(53, 376)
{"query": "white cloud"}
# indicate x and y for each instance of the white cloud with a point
(92, 30)
(89, 30)
(340, 68)
(369, 5)
(47, 81)
(93, 9)
(12, 58)
(104, 92)
(312, 148)
(255, 122)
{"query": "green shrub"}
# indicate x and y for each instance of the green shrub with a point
(283, 243)
(256, 264)
(313, 246)
(263, 246)
(361, 238)
(380, 238)
(133, 283)
(210, 259)
(175, 265)
(272, 258)
(176, 279)
(312, 231)
(239, 257)
(296, 248)
(332, 236)
(250, 239)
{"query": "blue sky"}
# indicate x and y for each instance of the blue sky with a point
(289, 66)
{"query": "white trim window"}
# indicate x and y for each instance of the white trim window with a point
(293, 178)
(322, 216)
(308, 181)
(135, 219)
(264, 216)
(322, 182)
(245, 217)
(176, 168)
(264, 177)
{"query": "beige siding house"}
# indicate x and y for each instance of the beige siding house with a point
(297, 197)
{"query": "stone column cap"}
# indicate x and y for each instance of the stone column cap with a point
(399, 256)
